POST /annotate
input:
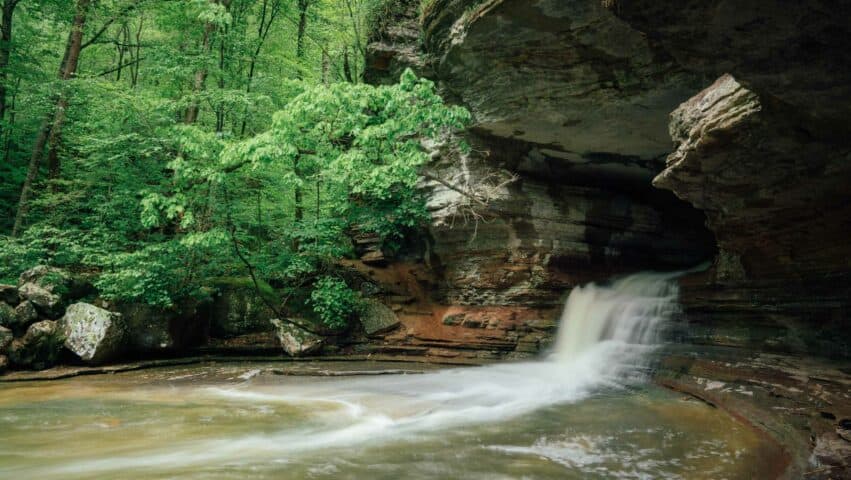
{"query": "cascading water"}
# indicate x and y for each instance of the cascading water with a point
(619, 322)
(605, 334)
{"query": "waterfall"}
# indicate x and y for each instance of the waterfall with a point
(622, 318)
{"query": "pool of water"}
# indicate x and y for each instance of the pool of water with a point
(244, 420)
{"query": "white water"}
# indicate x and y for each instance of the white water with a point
(605, 335)
(620, 321)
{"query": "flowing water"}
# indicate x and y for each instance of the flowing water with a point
(581, 413)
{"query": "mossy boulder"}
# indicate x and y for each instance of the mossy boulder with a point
(6, 338)
(47, 288)
(7, 316)
(92, 333)
(9, 294)
(40, 347)
(239, 308)
(25, 314)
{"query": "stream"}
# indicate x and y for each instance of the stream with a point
(586, 411)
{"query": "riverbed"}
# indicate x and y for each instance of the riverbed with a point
(377, 420)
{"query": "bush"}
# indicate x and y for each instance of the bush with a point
(334, 302)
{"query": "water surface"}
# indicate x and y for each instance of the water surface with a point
(232, 421)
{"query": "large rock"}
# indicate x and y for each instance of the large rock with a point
(775, 192)
(93, 334)
(761, 174)
(47, 288)
(238, 309)
(297, 342)
(40, 347)
(7, 316)
(153, 329)
(567, 77)
(9, 294)
(6, 338)
(574, 96)
(25, 313)
(574, 102)
(377, 318)
(793, 51)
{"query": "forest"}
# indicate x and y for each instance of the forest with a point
(425, 239)
(157, 147)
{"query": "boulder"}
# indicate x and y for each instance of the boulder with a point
(6, 338)
(9, 294)
(7, 315)
(296, 341)
(377, 318)
(25, 313)
(4, 362)
(47, 288)
(238, 309)
(156, 329)
(93, 334)
(40, 347)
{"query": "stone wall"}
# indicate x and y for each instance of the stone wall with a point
(575, 98)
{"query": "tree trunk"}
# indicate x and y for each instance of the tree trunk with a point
(75, 44)
(9, 144)
(46, 134)
(262, 33)
(200, 76)
(134, 69)
(347, 66)
(5, 52)
(220, 108)
(32, 174)
(303, 5)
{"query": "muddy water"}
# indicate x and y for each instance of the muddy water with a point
(235, 421)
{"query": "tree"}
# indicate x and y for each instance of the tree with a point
(8, 12)
(51, 129)
(165, 185)
(362, 143)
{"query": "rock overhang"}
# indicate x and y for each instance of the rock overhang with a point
(579, 85)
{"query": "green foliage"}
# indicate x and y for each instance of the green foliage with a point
(334, 302)
(43, 244)
(288, 157)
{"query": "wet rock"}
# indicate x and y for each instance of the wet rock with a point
(567, 76)
(296, 341)
(47, 288)
(9, 294)
(40, 347)
(238, 309)
(93, 334)
(395, 45)
(755, 169)
(7, 316)
(843, 429)
(48, 303)
(25, 313)
(759, 171)
(147, 327)
(377, 318)
(153, 329)
(6, 338)
(796, 52)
